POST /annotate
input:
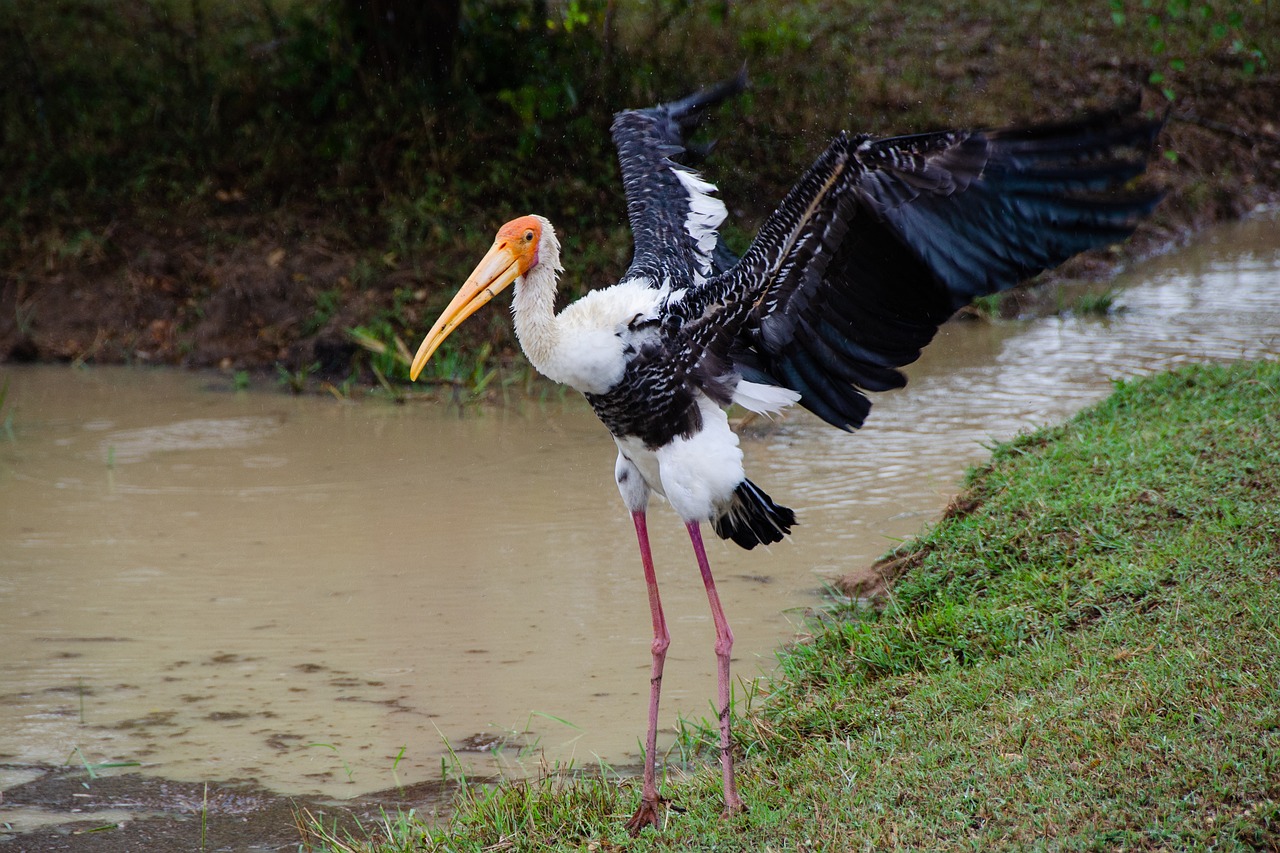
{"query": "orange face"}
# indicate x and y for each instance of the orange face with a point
(514, 252)
(522, 235)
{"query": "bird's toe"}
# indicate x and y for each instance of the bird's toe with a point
(648, 814)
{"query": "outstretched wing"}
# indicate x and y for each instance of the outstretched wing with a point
(882, 240)
(673, 211)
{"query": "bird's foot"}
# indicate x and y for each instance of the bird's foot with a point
(649, 814)
(733, 808)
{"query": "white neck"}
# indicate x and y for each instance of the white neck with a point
(533, 309)
(579, 347)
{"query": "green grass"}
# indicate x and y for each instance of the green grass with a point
(1081, 657)
(1094, 304)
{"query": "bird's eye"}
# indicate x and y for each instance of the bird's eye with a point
(528, 236)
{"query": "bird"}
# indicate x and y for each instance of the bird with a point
(879, 242)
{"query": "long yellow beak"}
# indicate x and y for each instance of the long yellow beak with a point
(495, 272)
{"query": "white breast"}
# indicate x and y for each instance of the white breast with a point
(594, 337)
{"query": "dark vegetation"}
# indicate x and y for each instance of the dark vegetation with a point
(246, 185)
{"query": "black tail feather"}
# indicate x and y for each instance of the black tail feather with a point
(752, 518)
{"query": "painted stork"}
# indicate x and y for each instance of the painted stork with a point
(879, 243)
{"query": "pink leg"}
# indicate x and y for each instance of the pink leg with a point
(649, 813)
(724, 646)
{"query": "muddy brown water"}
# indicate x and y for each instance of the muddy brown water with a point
(330, 599)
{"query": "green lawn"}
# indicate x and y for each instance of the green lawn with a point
(1082, 655)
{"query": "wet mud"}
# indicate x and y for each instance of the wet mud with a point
(53, 809)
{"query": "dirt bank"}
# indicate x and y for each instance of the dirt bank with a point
(243, 290)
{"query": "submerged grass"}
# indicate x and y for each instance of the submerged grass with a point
(1082, 656)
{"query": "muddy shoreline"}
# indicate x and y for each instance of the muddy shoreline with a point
(65, 809)
(46, 808)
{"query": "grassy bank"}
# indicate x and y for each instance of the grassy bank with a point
(1082, 655)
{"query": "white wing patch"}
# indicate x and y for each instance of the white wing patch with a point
(706, 213)
(763, 399)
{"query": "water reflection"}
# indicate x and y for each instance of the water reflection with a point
(315, 595)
